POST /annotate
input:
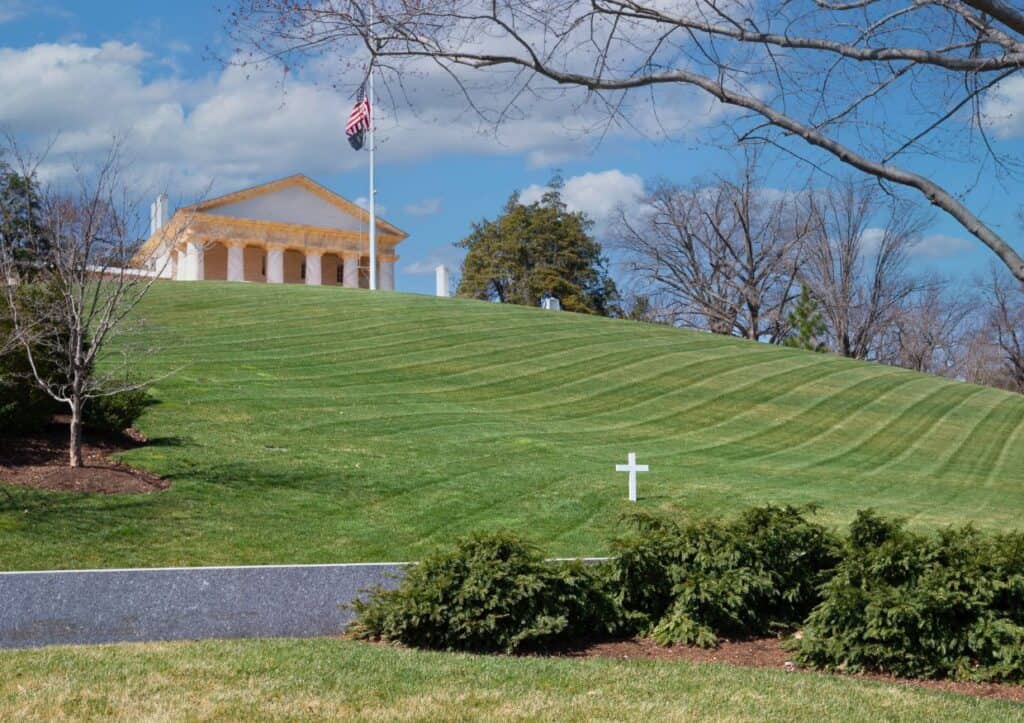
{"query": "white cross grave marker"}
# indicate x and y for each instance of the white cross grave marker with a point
(632, 468)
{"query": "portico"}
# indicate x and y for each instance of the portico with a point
(291, 231)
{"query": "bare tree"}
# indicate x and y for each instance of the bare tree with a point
(930, 331)
(1004, 331)
(725, 254)
(878, 85)
(79, 294)
(638, 306)
(855, 264)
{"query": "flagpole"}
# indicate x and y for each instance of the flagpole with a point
(373, 190)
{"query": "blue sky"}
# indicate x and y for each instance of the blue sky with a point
(83, 71)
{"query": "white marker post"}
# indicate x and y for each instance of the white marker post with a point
(632, 468)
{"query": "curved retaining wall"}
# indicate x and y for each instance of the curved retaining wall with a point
(185, 603)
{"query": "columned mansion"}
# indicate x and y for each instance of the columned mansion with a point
(291, 231)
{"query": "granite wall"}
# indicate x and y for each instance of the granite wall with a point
(101, 606)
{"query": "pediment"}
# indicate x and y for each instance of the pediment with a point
(295, 200)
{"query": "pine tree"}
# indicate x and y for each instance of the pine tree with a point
(806, 323)
(20, 230)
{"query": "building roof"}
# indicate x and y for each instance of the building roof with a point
(214, 215)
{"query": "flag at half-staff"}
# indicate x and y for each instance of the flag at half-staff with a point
(359, 119)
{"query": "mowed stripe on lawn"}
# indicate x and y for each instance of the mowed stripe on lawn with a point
(330, 425)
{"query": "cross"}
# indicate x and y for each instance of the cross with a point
(632, 468)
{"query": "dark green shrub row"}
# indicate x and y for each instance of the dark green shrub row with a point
(946, 605)
(949, 605)
(694, 582)
(117, 412)
(490, 593)
(682, 583)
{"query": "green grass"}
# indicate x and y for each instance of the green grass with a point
(321, 425)
(335, 680)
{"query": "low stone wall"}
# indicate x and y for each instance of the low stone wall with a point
(102, 606)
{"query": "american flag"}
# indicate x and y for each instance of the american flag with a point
(358, 120)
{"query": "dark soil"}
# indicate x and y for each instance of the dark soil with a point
(770, 653)
(41, 461)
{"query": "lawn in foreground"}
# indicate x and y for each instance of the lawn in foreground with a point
(333, 679)
(307, 425)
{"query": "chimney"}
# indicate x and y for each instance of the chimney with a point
(442, 280)
(158, 214)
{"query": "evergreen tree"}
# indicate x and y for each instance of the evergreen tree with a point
(535, 250)
(20, 229)
(23, 406)
(806, 324)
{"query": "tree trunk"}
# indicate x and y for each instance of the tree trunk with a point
(75, 443)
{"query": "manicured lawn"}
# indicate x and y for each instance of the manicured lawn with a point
(323, 425)
(336, 680)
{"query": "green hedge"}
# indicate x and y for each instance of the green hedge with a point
(694, 582)
(24, 407)
(947, 605)
(489, 593)
(115, 413)
(944, 605)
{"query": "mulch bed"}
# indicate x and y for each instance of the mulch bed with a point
(770, 653)
(41, 461)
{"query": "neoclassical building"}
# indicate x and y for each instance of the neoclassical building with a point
(291, 231)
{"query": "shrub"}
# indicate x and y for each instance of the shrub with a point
(949, 605)
(691, 583)
(24, 407)
(116, 412)
(489, 593)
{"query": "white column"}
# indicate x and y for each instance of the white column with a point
(387, 275)
(161, 264)
(180, 265)
(275, 265)
(196, 261)
(441, 273)
(172, 265)
(350, 274)
(236, 263)
(314, 275)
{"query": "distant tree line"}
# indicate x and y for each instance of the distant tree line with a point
(825, 269)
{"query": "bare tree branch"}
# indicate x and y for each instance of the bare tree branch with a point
(723, 255)
(833, 76)
(76, 293)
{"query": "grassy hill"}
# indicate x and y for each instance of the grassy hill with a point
(320, 424)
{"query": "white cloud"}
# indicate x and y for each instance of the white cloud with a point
(596, 194)
(934, 246)
(8, 11)
(242, 125)
(15, 9)
(940, 245)
(1003, 108)
(548, 158)
(179, 47)
(426, 207)
(448, 256)
(364, 203)
(872, 239)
